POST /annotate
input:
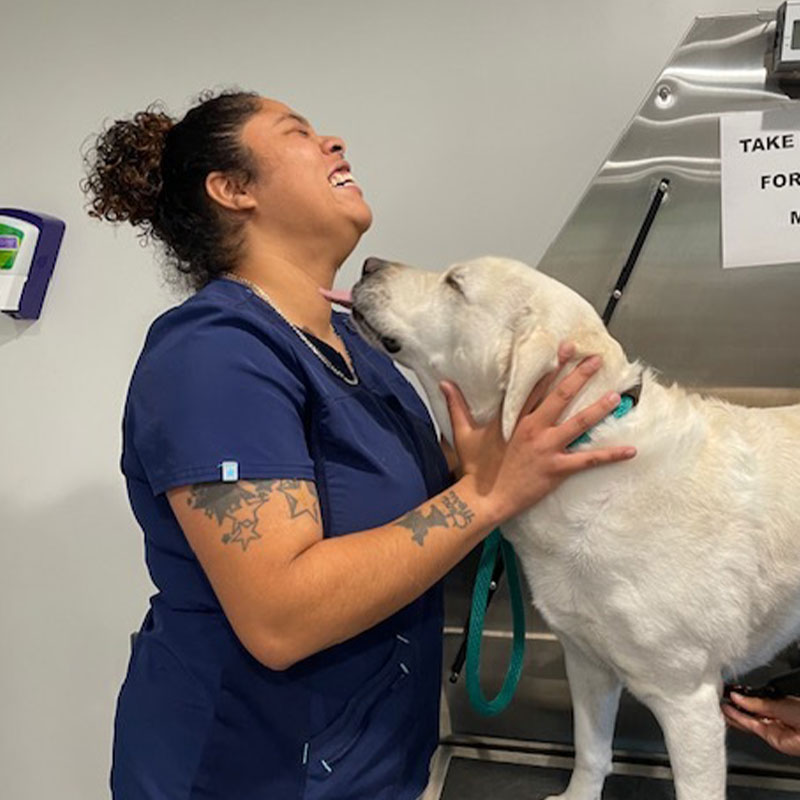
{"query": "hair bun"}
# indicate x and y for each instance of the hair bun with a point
(124, 168)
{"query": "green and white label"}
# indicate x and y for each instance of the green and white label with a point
(10, 241)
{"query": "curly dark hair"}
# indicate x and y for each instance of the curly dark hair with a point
(150, 171)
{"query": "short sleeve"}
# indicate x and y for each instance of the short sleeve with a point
(218, 394)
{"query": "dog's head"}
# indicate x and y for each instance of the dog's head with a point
(491, 325)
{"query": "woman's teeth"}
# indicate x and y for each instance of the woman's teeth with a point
(342, 178)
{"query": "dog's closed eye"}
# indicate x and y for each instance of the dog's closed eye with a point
(451, 279)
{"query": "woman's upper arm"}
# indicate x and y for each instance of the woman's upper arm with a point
(245, 535)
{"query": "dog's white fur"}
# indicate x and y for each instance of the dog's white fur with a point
(663, 573)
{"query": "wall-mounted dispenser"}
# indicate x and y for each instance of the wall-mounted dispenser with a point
(29, 245)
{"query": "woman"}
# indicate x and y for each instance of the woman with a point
(288, 479)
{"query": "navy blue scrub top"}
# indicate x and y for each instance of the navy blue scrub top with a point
(223, 377)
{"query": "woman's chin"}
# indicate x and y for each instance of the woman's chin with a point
(363, 219)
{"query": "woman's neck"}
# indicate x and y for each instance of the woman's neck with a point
(292, 281)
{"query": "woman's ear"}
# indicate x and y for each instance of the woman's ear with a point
(534, 353)
(229, 191)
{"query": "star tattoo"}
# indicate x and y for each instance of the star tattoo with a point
(239, 507)
(301, 497)
(419, 524)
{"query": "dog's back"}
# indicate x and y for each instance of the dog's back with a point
(690, 552)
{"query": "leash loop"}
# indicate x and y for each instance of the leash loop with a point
(494, 544)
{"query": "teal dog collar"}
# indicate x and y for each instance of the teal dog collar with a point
(628, 401)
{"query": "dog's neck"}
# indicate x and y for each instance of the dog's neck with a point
(619, 378)
(484, 396)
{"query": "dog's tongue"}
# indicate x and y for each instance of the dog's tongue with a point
(342, 297)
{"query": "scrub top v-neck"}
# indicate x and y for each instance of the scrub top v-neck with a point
(223, 378)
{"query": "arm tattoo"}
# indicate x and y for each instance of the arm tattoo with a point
(301, 497)
(237, 506)
(456, 514)
(419, 524)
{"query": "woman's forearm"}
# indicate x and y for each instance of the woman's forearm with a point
(341, 586)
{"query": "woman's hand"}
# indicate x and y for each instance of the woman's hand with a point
(451, 457)
(514, 475)
(777, 722)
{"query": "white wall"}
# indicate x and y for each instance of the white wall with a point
(473, 127)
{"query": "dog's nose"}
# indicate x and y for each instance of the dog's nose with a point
(373, 264)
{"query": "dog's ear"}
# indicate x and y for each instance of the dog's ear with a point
(533, 353)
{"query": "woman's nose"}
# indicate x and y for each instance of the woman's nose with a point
(333, 144)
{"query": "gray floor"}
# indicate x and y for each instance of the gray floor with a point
(468, 779)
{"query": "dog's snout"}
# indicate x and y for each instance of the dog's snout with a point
(373, 264)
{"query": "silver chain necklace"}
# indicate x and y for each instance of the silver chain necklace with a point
(348, 379)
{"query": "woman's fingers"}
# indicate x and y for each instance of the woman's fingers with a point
(569, 430)
(460, 415)
(553, 406)
(566, 351)
(570, 463)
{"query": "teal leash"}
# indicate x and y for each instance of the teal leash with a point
(493, 544)
(480, 593)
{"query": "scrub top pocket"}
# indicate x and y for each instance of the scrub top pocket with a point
(355, 757)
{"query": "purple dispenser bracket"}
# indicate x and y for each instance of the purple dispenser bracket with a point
(51, 233)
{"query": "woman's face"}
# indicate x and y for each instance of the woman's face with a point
(303, 187)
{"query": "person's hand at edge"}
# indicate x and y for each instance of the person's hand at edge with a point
(777, 722)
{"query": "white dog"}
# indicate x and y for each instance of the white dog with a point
(661, 574)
